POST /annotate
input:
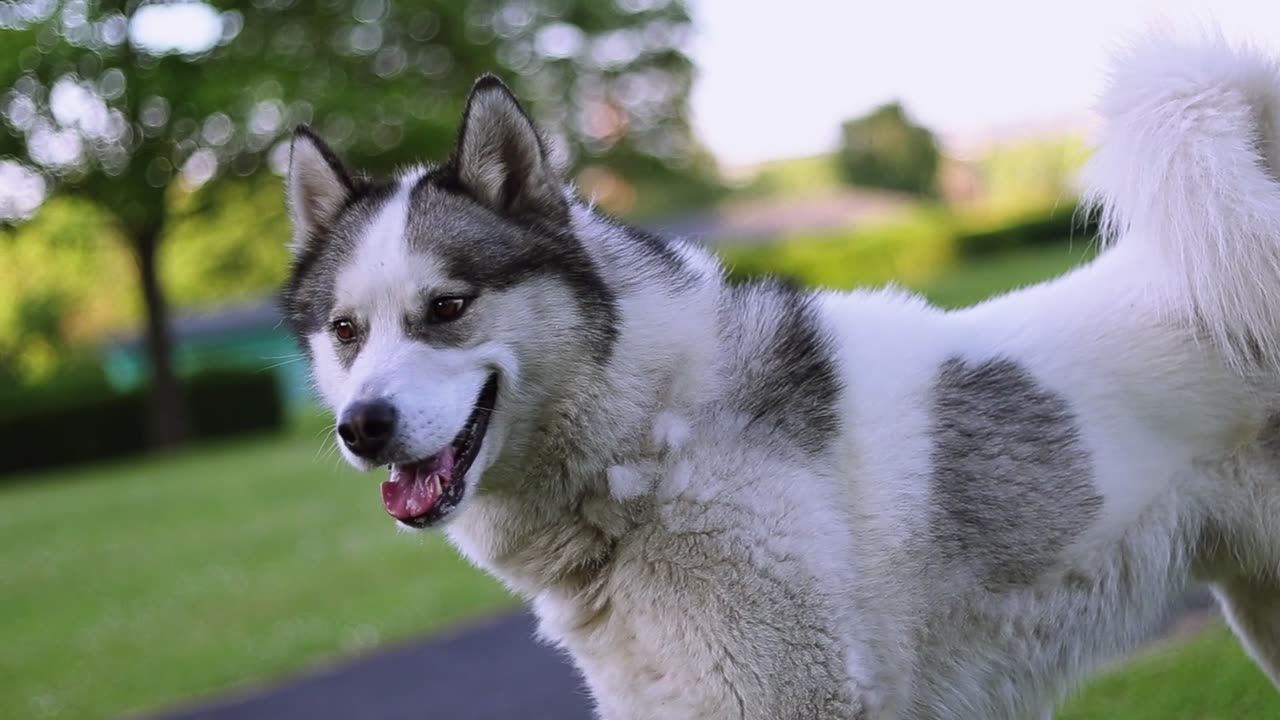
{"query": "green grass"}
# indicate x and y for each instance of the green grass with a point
(1207, 677)
(972, 282)
(144, 584)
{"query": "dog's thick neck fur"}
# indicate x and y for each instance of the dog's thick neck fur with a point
(549, 515)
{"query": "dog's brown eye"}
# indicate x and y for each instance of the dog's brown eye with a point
(344, 330)
(448, 309)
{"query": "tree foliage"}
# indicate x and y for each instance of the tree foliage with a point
(224, 245)
(131, 104)
(59, 285)
(885, 149)
(117, 98)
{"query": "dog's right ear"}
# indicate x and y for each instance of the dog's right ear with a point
(318, 186)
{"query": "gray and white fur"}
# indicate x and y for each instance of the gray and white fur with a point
(759, 502)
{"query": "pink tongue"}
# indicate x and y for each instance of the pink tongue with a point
(414, 489)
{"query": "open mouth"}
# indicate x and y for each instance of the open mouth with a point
(422, 493)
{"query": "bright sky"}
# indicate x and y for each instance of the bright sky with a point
(777, 78)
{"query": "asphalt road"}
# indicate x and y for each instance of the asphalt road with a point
(491, 671)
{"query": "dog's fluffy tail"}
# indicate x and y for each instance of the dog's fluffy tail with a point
(1186, 177)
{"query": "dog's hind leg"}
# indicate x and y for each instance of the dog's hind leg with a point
(1252, 607)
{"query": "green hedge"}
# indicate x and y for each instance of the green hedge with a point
(82, 419)
(915, 244)
(238, 402)
(1048, 228)
(913, 250)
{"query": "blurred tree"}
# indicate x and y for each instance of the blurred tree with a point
(884, 149)
(128, 102)
(1033, 171)
(55, 273)
(217, 254)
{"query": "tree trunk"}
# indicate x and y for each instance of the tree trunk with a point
(167, 408)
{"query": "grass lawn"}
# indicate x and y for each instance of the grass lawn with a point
(1206, 677)
(143, 584)
(971, 283)
(140, 585)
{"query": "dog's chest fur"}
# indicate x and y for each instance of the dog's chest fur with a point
(713, 584)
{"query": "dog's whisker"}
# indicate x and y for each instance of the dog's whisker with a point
(281, 364)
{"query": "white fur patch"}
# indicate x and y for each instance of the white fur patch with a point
(326, 370)
(383, 272)
(670, 431)
(698, 260)
(626, 482)
(1187, 171)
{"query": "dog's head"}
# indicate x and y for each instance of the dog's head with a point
(440, 309)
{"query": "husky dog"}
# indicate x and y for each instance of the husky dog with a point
(754, 501)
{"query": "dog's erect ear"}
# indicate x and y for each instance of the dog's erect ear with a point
(499, 158)
(318, 186)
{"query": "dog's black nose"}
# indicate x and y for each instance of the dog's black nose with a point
(367, 427)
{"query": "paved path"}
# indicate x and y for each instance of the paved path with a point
(491, 671)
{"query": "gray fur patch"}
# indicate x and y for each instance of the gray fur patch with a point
(1011, 480)
(785, 375)
(1270, 435)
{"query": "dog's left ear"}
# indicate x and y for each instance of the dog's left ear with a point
(500, 160)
